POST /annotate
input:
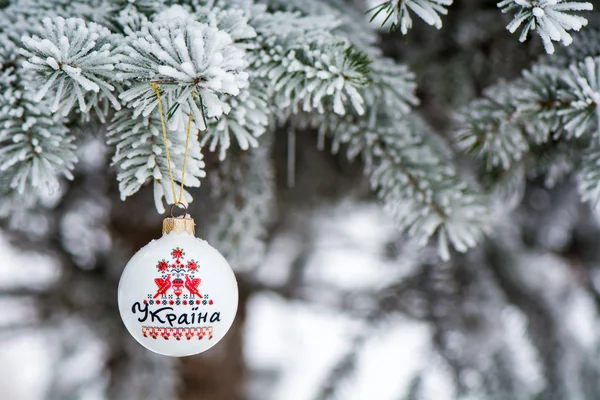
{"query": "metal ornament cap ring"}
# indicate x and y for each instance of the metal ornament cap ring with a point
(181, 224)
(182, 205)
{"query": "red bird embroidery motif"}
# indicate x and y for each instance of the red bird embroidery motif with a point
(192, 285)
(163, 286)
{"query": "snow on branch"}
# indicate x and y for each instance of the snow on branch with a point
(71, 57)
(140, 156)
(244, 186)
(193, 62)
(251, 109)
(145, 7)
(421, 188)
(541, 123)
(234, 21)
(423, 191)
(36, 150)
(398, 10)
(547, 103)
(393, 84)
(584, 114)
(551, 19)
(309, 68)
(589, 177)
(586, 45)
(582, 95)
(411, 171)
(489, 128)
(248, 120)
(407, 165)
(337, 17)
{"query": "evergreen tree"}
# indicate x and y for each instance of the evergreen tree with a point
(76, 75)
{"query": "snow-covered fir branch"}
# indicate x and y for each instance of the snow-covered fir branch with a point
(306, 64)
(23, 17)
(145, 7)
(240, 68)
(196, 56)
(580, 99)
(140, 157)
(193, 62)
(410, 171)
(551, 19)
(408, 167)
(399, 12)
(547, 103)
(251, 109)
(551, 109)
(245, 123)
(589, 176)
(244, 186)
(393, 85)
(36, 149)
(489, 128)
(336, 16)
(72, 58)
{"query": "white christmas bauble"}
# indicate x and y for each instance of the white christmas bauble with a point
(178, 296)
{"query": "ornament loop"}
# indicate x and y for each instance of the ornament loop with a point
(180, 204)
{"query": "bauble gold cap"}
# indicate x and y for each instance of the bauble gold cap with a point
(179, 225)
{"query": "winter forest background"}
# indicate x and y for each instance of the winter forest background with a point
(411, 213)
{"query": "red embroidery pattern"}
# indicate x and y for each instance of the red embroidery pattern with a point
(156, 332)
(178, 283)
(192, 266)
(177, 253)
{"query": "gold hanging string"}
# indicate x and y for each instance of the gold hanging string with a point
(176, 200)
(185, 154)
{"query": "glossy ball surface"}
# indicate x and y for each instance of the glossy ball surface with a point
(178, 296)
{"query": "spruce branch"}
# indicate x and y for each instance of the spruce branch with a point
(398, 10)
(233, 20)
(338, 18)
(586, 45)
(308, 66)
(194, 63)
(251, 109)
(145, 7)
(412, 174)
(248, 120)
(489, 127)
(551, 19)
(392, 84)
(588, 177)
(582, 96)
(546, 104)
(23, 17)
(538, 99)
(71, 58)
(409, 169)
(36, 150)
(140, 156)
(244, 187)
(128, 21)
(422, 191)
(303, 78)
